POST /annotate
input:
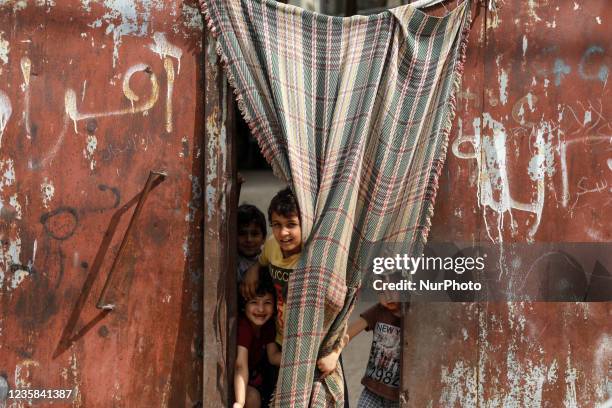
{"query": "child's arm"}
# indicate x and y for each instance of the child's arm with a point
(250, 281)
(328, 363)
(356, 327)
(241, 376)
(274, 354)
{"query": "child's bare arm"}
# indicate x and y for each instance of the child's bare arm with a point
(241, 376)
(274, 354)
(356, 327)
(250, 281)
(328, 363)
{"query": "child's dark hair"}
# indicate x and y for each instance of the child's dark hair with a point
(248, 214)
(285, 204)
(264, 286)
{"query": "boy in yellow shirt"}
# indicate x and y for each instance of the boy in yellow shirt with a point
(280, 254)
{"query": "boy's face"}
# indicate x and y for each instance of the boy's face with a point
(287, 232)
(250, 239)
(391, 303)
(259, 309)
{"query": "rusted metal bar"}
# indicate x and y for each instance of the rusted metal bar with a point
(153, 175)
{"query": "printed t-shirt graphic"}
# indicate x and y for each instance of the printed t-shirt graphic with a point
(280, 269)
(382, 374)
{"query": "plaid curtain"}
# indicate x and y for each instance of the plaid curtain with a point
(354, 113)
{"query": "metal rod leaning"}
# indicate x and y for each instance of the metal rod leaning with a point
(153, 175)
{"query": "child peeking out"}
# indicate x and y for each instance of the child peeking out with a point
(280, 253)
(253, 385)
(251, 236)
(382, 376)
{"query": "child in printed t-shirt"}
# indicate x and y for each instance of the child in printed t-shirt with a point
(382, 376)
(251, 236)
(281, 253)
(252, 386)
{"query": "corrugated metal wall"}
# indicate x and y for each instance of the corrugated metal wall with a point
(93, 96)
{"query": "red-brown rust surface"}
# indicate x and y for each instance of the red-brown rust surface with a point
(77, 147)
(534, 106)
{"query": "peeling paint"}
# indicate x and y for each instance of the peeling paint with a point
(503, 87)
(542, 164)
(4, 49)
(15, 204)
(23, 374)
(570, 400)
(86, 4)
(192, 17)
(525, 44)
(123, 19)
(458, 386)
(587, 118)
(6, 109)
(88, 152)
(17, 5)
(531, 6)
(47, 190)
(8, 177)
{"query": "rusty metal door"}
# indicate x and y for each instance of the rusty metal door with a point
(529, 162)
(93, 96)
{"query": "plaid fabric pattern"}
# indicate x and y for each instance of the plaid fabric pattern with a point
(354, 114)
(368, 399)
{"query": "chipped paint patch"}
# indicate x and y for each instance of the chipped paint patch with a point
(6, 110)
(88, 152)
(542, 163)
(17, 5)
(458, 386)
(15, 204)
(570, 400)
(185, 248)
(192, 18)
(7, 177)
(124, 19)
(598, 19)
(525, 44)
(531, 6)
(23, 374)
(47, 190)
(503, 87)
(587, 118)
(4, 49)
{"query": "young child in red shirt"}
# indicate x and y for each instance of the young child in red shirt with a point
(256, 341)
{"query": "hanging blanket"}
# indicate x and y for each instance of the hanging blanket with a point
(353, 113)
